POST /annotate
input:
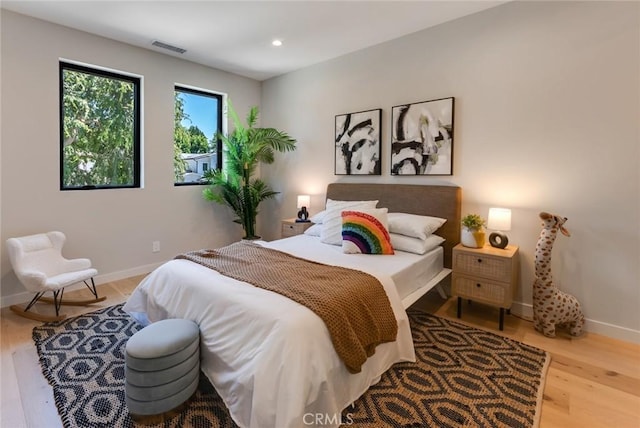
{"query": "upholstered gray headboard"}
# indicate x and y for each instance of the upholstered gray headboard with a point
(436, 201)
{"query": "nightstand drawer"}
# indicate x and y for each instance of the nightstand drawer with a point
(482, 291)
(291, 228)
(496, 268)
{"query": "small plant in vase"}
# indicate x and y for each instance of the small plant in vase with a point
(472, 233)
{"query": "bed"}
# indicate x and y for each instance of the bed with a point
(270, 358)
(435, 201)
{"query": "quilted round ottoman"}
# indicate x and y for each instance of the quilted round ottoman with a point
(162, 367)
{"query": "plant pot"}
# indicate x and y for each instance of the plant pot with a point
(472, 238)
(251, 238)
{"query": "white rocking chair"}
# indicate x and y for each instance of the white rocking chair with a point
(39, 265)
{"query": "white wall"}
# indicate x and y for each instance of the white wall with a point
(115, 228)
(546, 119)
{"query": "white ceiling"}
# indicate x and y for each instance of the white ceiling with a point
(236, 35)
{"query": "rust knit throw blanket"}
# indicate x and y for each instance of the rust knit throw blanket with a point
(352, 304)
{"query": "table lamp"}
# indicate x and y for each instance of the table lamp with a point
(500, 221)
(303, 202)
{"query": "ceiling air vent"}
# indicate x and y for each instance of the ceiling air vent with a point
(168, 47)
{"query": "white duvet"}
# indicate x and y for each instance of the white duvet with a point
(270, 358)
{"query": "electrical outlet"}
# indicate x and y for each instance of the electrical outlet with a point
(155, 246)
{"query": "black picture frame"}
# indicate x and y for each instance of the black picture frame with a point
(358, 143)
(422, 138)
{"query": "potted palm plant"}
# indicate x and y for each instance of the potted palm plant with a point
(472, 233)
(243, 150)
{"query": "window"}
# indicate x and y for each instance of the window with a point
(99, 129)
(196, 148)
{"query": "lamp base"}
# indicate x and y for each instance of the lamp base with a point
(498, 240)
(303, 215)
(299, 220)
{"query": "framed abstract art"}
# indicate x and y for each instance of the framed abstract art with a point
(357, 143)
(422, 138)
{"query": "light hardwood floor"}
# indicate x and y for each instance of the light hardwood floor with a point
(593, 381)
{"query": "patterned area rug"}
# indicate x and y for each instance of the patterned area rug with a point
(463, 377)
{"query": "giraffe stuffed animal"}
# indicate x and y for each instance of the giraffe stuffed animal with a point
(551, 306)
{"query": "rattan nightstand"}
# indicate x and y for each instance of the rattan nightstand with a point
(292, 228)
(487, 275)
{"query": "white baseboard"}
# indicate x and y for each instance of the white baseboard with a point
(522, 310)
(592, 326)
(613, 331)
(18, 298)
(127, 273)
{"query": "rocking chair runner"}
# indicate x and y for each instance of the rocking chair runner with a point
(39, 265)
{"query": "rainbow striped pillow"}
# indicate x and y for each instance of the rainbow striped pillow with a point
(365, 232)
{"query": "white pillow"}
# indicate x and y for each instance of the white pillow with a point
(332, 221)
(314, 230)
(317, 218)
(415, 245)
(416, 226)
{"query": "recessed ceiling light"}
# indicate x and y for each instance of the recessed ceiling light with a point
(277, 42)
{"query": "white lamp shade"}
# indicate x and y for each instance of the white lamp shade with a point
(304, 201)
(499, 219)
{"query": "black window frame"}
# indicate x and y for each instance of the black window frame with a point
(137, 83)
(220, 98)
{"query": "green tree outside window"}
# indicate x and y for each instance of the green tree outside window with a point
(100, 128)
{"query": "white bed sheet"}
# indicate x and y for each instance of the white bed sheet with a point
(417, 270)
(407, 270)
(270, 358)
